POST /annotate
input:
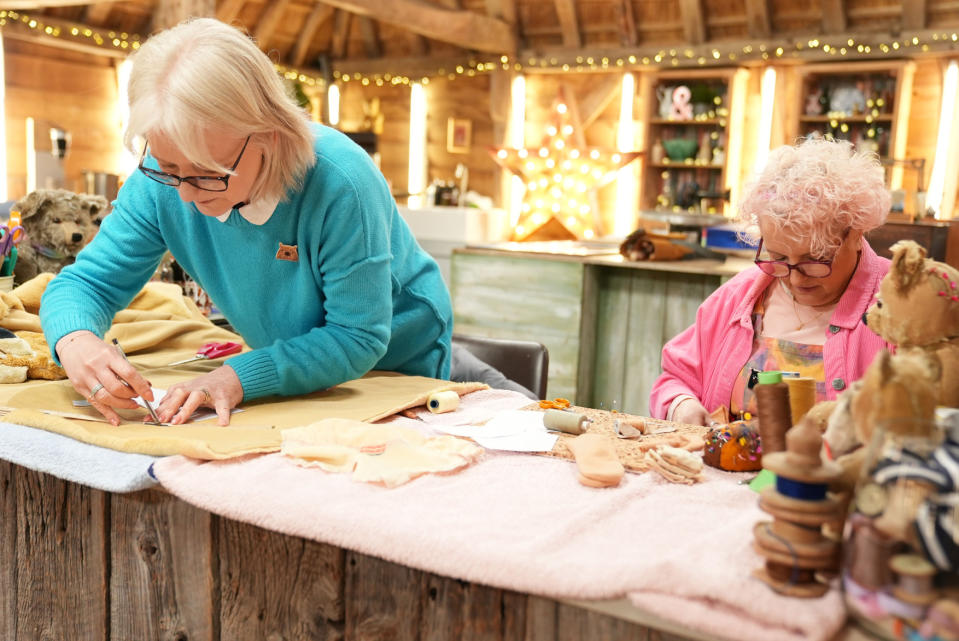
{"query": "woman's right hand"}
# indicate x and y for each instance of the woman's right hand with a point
(101, 374)
(692, 412)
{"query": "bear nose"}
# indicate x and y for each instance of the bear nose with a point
(77, 237)
(864, 321)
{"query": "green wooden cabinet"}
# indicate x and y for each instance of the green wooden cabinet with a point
(603, 320)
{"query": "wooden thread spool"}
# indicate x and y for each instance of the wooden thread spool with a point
(914, 576)
(441, 402)
(563, 421)
(772, 397)
(868, 556)
(802, 396)
(788, 573)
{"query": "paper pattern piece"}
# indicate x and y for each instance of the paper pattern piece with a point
(514, 430)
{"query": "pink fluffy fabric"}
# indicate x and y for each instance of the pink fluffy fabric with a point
(525, 523)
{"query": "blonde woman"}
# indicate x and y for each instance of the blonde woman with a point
(800, 308)
(288, 226)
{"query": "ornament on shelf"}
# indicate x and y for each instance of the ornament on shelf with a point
(682, 109)
(560, 177)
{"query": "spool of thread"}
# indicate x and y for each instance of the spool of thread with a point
(569, 422)
(772, 398)
(802, 395)
(441, 402)
(914, 576)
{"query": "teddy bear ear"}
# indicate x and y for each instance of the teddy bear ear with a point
(32, 203)
(908, 264)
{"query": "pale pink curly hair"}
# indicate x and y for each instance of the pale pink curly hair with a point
(816, 191)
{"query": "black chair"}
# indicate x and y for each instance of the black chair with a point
(525, 362)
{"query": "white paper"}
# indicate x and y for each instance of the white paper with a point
(513, 430)
(201, 414)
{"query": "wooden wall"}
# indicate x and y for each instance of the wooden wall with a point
(76, 91)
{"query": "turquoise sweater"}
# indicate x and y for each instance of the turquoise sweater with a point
(363, 295)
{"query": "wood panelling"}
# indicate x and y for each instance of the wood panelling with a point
(78, 93)
(83, 564)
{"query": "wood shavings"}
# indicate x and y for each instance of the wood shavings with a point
(632, 452)
(676, 465)
(555, 404)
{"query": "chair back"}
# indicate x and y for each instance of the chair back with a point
(526, 362)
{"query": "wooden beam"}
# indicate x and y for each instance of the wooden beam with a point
(599, 98)
(35, 5)
(566, 10)
(410, 66)
(96, 14)
(318, 15)
(913, 15)
(694, 27)
(504, 10)
(169, 13)
(418, 44)
(341, 33)
(757, 18)
(465, 29)
(833, 16)
(16, 30)
(268, 21)
(229, 10)
(371, 39)
(627, 23)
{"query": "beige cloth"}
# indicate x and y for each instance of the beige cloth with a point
(256, 429)
(386, 454)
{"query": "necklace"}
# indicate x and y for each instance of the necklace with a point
(803, 323)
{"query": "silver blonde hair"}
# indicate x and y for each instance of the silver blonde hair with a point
(203, 75)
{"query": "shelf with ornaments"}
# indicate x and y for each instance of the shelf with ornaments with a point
(858, 102)
(687, 138)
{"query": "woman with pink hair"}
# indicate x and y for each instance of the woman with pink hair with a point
(800, 308)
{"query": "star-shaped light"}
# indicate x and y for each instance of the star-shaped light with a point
(560, 179)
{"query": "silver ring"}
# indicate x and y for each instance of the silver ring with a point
(93, 392)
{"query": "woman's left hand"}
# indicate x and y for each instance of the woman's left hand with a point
(220, 390)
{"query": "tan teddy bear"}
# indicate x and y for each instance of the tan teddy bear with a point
(57, 224)
(917, 308)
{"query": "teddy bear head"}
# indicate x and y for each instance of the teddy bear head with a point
(60, 221)
(918, 300)
(899, 393)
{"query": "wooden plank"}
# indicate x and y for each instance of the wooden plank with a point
(593, 105)
(96, 14)
(274, 586)
(33, 5)
(574, 624)
(694, 25)
(162, 569)
(268, 22)
(833, 16)
(61, 573)
(614, 335)
(169, 13)
(318, 15)
(459, 610)
(503, 10)
(371, 39)
(913, 15)
(569, 25)
(8, 551)
(341, 33)
(757, 18)
(626, 21)
(228, 10)
(466, 29)
(383, 600)
(542, 620)
(20, 31)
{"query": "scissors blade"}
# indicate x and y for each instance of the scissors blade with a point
(186, 360)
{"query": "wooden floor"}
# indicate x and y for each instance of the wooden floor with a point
(80, 564)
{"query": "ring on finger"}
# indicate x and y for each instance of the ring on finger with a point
(206, 395)
(94, 390)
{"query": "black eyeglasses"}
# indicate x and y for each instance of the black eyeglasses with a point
(782, 269)
(206, 183)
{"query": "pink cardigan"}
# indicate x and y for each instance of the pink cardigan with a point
(704, 360)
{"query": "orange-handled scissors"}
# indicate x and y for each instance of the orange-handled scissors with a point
(210, 351)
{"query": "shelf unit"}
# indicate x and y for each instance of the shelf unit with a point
(698, 182)
(859, 102)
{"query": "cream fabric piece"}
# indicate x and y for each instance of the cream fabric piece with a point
(385, 454)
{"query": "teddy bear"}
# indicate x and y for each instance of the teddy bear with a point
(57, 224)
(917, 308)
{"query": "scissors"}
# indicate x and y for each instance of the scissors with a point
(210, 351)
(9, 236)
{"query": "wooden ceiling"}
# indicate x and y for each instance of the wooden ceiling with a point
(377, 34)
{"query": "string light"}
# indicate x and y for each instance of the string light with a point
(693, 56)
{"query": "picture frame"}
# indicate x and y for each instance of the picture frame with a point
(458, 135)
